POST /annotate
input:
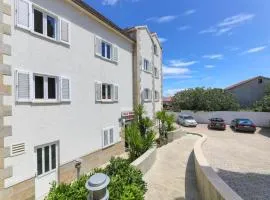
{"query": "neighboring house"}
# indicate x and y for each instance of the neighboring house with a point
(66, 83)
(147, 79)
(249, 91)
(167, 103)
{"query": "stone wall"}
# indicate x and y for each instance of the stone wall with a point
(5, 90)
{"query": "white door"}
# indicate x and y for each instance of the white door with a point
(47, 168)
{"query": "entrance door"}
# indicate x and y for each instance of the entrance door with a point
(47, 169)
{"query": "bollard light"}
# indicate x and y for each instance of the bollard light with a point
(97, 186)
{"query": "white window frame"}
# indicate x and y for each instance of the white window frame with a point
(45, 25)
(106, 92)
(149, 98)
(106, 46)
(45, 12)
(50, 158)
(45, 89)
(147, 66)
(108, 136)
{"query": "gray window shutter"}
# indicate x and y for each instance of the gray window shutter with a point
(150, 94)
(105, 138)
(23, 14)
(65, 31)
(98, 44)
(23, 86)
(111, 136)
(115, 53)
(65, 89)
(116, 93)
(98, 92)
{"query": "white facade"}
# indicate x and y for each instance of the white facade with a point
(76, 124)
(148, 69)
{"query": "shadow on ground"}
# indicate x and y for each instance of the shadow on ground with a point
(191, 190)
(249, 186)
(265, 132)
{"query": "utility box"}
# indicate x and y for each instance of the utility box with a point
(97, 186)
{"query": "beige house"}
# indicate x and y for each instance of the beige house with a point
(68, 77)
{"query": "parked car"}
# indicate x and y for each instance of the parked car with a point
(186, 120)
(217, 123)
(243, 125)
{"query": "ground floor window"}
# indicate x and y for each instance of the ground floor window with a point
(46, 159)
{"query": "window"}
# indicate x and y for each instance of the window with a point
(155, 50)
(38, 87)
(147, 96)
(38, 21)
(146, 65)
(156, 96)
(108, 136)
(156, 72)
(46, 159)
(45, 87)
(260, 81)
(107, 91)
(40, 25)
(106, 50)
(31, 17)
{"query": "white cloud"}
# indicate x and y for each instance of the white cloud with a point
(228, 24)
(189, 12)
(162, 40)
(209, 66)
(175, 71)
(214, 56)
(110, 2)
(172, 92)
(167, 77)
(236, 20)
(184, 28)
(114, 2)
(163, 19)
(255, 50)
(181, 63)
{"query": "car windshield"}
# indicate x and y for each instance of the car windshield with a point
(188, 117)
(217, 120)
(244, 121)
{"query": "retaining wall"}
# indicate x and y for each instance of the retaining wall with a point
(210, 185)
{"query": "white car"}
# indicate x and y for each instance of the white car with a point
(186, 120)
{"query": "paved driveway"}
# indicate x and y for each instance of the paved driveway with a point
(172, 177)
(242, 160)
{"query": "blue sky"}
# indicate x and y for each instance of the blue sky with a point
(206, 43)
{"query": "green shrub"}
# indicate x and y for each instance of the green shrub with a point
(138, 143)
(165, 123)
(126, 184)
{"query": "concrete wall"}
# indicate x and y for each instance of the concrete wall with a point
(247, 94)
(76, 125)
(261, 119)
(210, 185)
(146, 161)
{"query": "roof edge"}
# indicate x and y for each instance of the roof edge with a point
(244, 82)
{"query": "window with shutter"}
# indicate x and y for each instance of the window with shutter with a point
(108, 137)
(23, 14)
(98, 90)
(23, 86)
(65, 32)
(65, 89)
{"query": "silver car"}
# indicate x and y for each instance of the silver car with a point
(186, 120)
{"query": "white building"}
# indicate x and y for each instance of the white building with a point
(66, 78)
(148, 69)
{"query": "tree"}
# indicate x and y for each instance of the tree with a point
(201, 99)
